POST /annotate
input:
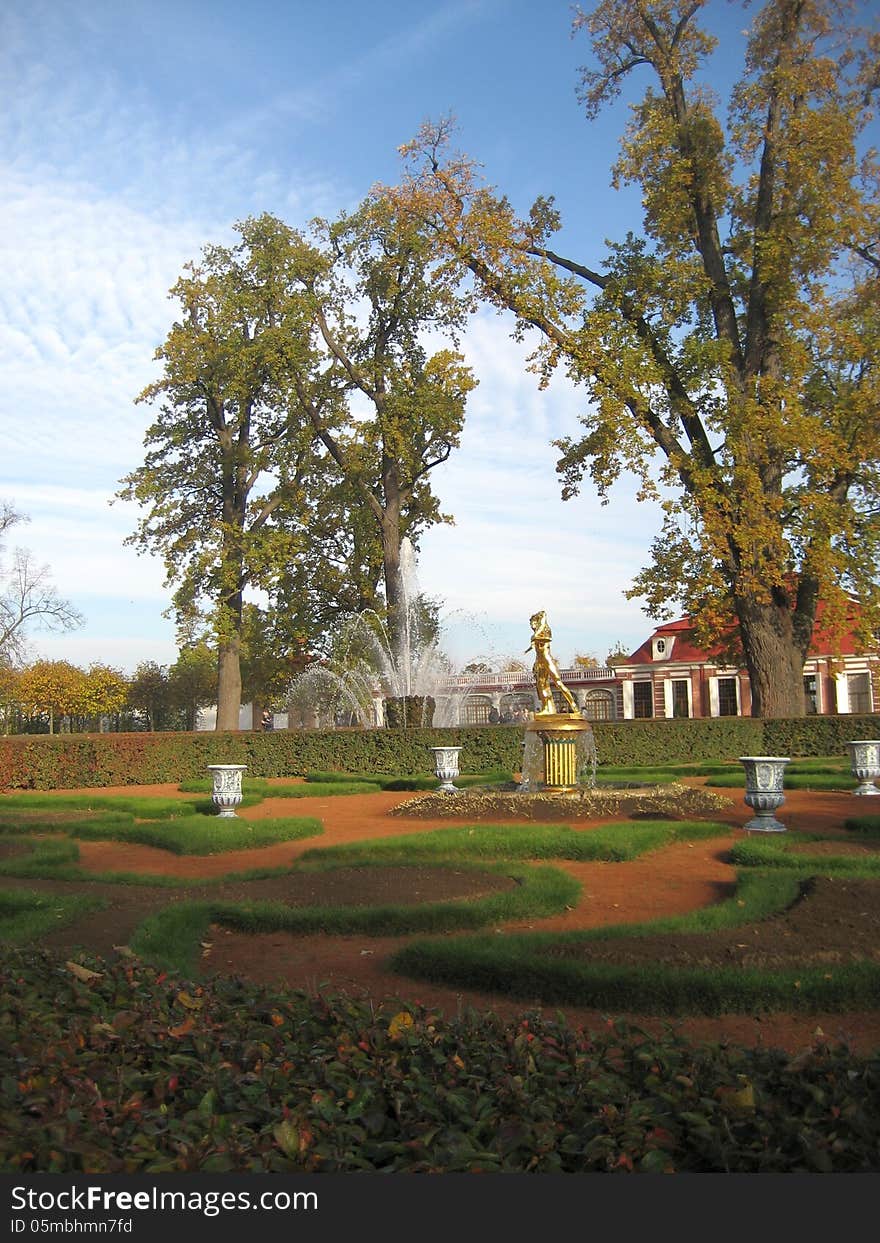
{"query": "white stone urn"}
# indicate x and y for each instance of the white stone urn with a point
(227, 787)
(764, 777)
(864, 761)
(446, 767)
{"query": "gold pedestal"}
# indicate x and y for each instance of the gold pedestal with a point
(560, 733)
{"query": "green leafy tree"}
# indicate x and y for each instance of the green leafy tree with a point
(221, 476)
(149, 694)
(735, 342)
(192, 682)
(373, 290)
(269, 648)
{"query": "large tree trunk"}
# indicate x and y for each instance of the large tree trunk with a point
(228, 684)
(774, 650)
(394, 596)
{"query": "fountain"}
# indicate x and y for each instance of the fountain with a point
(558, 779)
(367, 683)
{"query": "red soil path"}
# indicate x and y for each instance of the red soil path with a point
(671, 881)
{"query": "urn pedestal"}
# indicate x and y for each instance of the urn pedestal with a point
(864, 761)
(764, 778)
(446, 768)
(227, 788)
(563, 738)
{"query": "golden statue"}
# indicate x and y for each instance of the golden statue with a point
(546, 670)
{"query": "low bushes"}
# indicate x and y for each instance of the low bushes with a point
(67, 761)
(123, 1069)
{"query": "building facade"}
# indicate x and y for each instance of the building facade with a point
(670, 676)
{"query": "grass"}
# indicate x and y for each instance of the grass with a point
(171, 937)
(548, 966)
(189, 832)
(867, 825)
(203, 835)
(612, 842)
(53, 858)
(141, 807)
(25, 916)
(776, 851)
(816, 773)
(528, 965)
(16, 823)
(58, 859)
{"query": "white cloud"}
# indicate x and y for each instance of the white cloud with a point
(516, 546)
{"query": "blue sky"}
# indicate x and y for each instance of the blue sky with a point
(133, 134)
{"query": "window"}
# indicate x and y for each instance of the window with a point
(599, 706)
(727, 704)
(811, 704)
(643, 699)
(680, 698)
(477, 712)
(859, 686)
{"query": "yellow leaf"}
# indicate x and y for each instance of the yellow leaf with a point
(399, 1024)
(291, 1139)
(190, 1002)
(104, 1029)
(738, 1098)
(82, 973)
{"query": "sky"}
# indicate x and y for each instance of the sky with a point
(134, 134)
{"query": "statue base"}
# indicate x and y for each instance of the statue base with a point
(560, 733)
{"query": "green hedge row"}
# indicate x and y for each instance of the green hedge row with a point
(68, 761)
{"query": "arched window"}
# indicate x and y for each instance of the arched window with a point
(599, 705)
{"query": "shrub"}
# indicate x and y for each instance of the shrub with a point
(121, 1069)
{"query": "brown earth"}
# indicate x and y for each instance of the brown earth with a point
(834, 920)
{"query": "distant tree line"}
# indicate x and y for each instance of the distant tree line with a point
(55, 696)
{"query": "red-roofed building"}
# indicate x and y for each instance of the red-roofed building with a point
(671, 676)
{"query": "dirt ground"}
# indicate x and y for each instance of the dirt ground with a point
(834, 920)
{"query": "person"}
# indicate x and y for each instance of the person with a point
(268, 721)
(493, 715)
(546, 670)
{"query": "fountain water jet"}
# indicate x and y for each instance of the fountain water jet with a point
(370, 682)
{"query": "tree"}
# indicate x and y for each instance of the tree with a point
(378, 260)
(104, 692)
(619, 655)
(149, 694)
(10, 696)
(55, 687)
(584, 660)
(27, 597)
(736, 341)
(191, 680)
(224, 463)
(268, 649)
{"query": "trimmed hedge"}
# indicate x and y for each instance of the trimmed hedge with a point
(66, 761)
